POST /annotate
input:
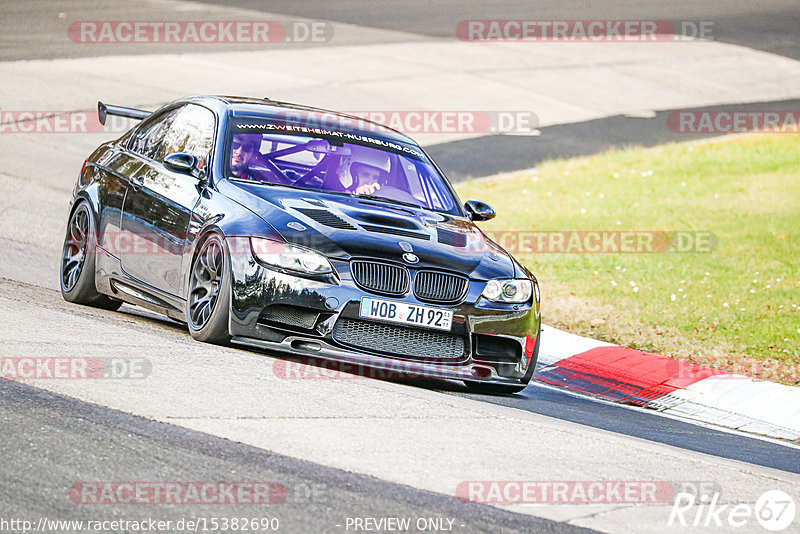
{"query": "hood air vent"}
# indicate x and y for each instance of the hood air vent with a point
(395, 231)
(454, 239)
(374, 218)
(326, 218)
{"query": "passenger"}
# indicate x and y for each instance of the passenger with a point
(368, 168)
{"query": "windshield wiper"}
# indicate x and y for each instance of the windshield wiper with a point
(391, 200)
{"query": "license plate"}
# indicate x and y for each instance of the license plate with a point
(407, 314)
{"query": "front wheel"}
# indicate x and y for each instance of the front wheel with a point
(78, 255)
(208, 302)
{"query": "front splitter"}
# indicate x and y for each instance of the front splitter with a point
(307, 348)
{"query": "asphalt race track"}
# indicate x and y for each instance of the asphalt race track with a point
(342, 449)
(99, 443)
(769, 25)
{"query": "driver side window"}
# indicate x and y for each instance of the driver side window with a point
(192, 132)
(150, 134)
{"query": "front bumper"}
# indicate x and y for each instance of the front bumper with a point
(299, 316)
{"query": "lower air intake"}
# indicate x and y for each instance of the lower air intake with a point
(289, 316)
(398, 340)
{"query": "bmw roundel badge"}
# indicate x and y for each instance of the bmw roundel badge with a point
(410, 258)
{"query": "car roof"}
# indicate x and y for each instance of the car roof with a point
(245, 106)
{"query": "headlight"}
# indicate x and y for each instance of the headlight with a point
(289, 257)
(513, 291)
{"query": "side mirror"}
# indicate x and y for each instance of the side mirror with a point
(185, 164)
(479, 211)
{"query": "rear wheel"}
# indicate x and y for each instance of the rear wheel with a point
(208, 305)
(78, 262)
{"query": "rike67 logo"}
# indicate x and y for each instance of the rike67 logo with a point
(774, 510)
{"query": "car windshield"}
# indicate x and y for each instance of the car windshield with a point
(337, 162)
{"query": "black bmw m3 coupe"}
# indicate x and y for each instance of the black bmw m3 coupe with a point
(301, 231)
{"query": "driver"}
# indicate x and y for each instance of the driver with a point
(368, 167)
(243, 150)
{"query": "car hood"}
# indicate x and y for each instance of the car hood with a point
(344, 227)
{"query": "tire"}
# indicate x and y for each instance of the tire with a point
(209, 296)
(78, 257)
(508, 389)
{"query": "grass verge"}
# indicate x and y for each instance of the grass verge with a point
(731, 302)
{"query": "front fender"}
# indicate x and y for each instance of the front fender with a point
(215, 212)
